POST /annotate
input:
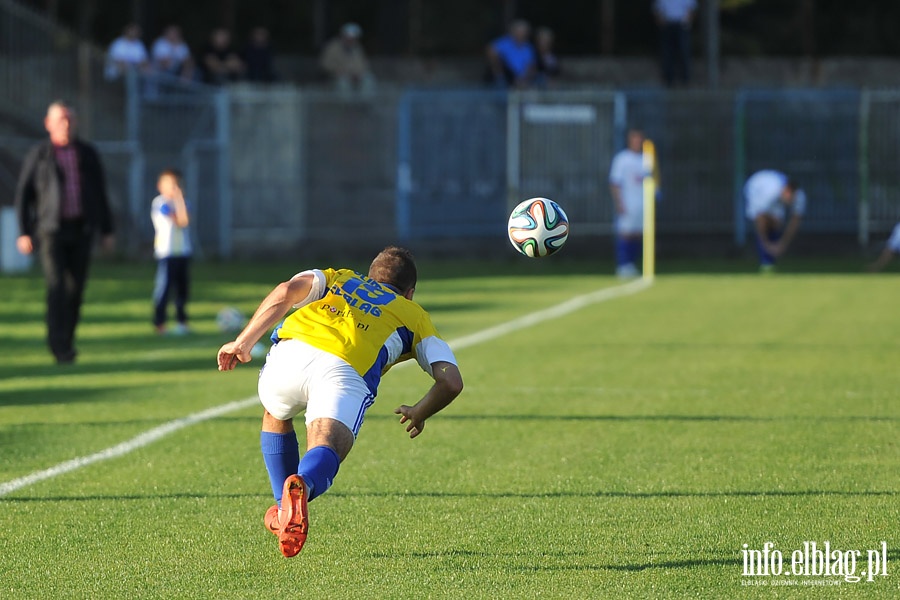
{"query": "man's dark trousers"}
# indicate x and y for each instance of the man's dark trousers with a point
(65, 256)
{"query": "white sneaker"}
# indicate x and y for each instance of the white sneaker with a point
(627, 271)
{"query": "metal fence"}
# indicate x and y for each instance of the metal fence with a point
(560, 146)
(41, 62)
(879, 176)
(289, 168)
(268, 168)
(814, 137)
(452, 179)
(171, 124)
(459, 148)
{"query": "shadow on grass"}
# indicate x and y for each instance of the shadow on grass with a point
(669, 564)
(613, 494)
(50, 370)
(72, 395)
(665, 564)
(623, 418)
(138, 497)
(469, 495)
(687, 418)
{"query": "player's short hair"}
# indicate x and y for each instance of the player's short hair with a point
(63, 105)
(792, 185)
(396, 267)
(170, 172)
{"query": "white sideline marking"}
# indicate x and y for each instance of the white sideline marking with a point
(139, 441)
(150, 436)
(564, 308)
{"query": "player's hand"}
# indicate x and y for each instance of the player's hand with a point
(774, 249)
(24, 244)
(408, 414)
(231, 354)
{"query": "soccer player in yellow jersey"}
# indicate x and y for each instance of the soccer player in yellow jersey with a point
(328, 357)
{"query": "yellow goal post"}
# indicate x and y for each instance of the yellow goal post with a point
(651, 175)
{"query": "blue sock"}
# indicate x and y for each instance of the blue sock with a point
(318, 467)
(622, 252)
(634, 249)
(764, 257)
(281, 455)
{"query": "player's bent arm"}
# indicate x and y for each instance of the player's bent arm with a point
(762, 234)
(882, 261)
(616, 192)
(181, 217)
(789, 232)
(270, 311)
(448, 384)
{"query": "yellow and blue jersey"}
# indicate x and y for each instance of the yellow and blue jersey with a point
(365, 323)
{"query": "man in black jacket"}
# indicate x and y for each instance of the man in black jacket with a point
(61, 204)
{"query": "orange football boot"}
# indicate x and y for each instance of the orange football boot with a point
(271, 519)
(294, 516)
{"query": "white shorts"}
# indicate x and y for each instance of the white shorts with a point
(630, 223)
(299, 377)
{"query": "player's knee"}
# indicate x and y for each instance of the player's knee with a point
(331, 433)
(275, 425)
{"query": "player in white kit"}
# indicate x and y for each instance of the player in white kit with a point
(770, 195)
(626, 183)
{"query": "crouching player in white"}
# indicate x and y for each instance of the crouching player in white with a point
(328, 358)
(769, 195)
(891, 247)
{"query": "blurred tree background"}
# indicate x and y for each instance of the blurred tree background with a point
(462, 27)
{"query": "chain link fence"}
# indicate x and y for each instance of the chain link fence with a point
(293, 169)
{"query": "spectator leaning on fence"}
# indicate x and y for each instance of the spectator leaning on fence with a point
(675, 19)
(547, 63)
(220, 61)
(126, 53)
(512, 60)
(258, 56)
(171, 54)
(344, 61)
(770, 195)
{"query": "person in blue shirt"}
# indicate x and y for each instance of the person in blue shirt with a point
(512, 60)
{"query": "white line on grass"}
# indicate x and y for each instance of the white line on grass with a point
(152, 435)
(564, 308)
(144, 439)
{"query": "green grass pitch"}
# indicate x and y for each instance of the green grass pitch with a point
(628, 449)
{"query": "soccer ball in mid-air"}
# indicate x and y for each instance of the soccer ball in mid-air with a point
(229, 320)
(538, 227)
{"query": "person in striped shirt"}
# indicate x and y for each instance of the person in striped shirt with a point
(62, 207)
